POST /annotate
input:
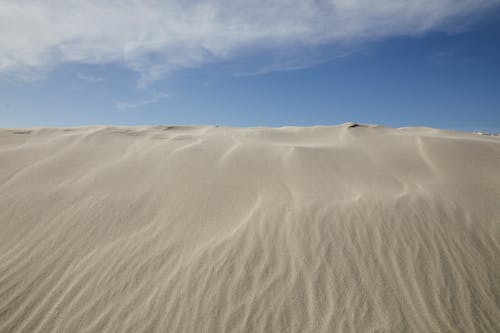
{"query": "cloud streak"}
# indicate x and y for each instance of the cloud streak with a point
(89, 78)
(155, 37)
(155, 98)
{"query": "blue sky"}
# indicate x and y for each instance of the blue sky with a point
(433, 63)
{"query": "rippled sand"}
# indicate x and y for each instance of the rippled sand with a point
(213, 229)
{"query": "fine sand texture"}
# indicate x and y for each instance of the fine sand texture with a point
(345, 228)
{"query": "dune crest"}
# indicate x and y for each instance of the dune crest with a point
(349, 228)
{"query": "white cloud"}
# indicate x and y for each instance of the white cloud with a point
(154, 37)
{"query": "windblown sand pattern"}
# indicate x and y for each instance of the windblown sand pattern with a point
(213, 229)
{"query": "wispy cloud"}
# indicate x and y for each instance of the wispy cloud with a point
(155, 97)
(154, 37)
(90, 78)
(455, 56)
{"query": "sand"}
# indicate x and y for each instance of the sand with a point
(215, 229)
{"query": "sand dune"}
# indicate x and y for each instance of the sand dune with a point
(213, 229)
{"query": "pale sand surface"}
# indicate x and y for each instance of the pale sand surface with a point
(214, 229)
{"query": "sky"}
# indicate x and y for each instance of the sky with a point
(250, 63)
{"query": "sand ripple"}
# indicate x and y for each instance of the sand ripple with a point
(212, 229)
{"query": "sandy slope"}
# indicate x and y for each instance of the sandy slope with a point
(212, 229)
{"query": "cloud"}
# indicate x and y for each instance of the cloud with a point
(155, 98)
(90, 78)
(155, 37)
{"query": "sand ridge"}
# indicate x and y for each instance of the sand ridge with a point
(217, 229)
